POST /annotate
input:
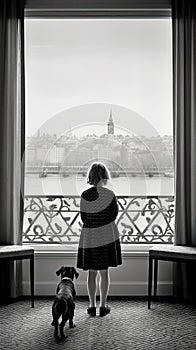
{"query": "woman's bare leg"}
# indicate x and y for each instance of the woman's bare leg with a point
(104, 286)
(92, 286)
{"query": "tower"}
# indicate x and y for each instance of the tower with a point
(110, 124)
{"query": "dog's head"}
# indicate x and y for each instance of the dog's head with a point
(67, 271)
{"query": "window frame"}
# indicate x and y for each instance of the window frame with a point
(97, 8)
(78, 9)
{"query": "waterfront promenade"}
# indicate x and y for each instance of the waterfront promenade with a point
(47, 170)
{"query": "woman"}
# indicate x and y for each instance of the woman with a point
(99, 245)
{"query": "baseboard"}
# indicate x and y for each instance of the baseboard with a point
(130, 288)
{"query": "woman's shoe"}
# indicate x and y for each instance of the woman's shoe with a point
(91, 311)
(103, 311)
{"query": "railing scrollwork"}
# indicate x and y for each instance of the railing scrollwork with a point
(56, 219)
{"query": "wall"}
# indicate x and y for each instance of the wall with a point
(131, 278)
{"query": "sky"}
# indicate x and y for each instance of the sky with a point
(77, 70)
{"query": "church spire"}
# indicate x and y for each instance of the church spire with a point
(110, 124)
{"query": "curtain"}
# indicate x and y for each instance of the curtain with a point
(184, 82)
(12, 140)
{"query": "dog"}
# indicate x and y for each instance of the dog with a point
(63, 304)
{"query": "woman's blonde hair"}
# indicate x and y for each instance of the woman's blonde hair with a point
(98, 172)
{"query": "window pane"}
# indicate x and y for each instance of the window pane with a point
(99, 89)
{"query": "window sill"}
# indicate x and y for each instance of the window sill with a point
(63, 250)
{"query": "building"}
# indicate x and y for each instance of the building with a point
(110, 124)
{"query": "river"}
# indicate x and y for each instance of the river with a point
(74, 185)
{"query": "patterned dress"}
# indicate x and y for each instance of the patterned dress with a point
(99, 245)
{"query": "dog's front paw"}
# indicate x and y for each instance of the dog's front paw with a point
(56, 336)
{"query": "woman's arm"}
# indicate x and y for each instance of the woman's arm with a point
(114, 208)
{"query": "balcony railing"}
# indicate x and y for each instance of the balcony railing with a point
(56, 219)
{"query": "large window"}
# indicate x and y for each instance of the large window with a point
(99, 89)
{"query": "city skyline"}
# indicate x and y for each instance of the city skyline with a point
(108, 129)
(112, 148)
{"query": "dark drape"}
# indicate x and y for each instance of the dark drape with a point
(184, 81)
(11, 138)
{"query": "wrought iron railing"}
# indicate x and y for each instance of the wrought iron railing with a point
(56, 219)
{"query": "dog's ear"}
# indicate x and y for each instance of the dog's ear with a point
(76, 274)
(59, 270)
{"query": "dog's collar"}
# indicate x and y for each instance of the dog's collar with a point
(67, 278)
